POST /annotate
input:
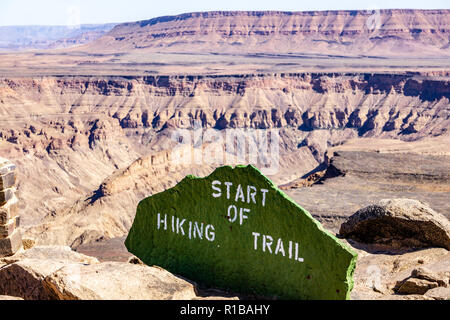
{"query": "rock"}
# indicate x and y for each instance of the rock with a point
(426, 274)
(10, 298)
(28, 243)
(399, 223)
(7, 229)
(6, 195)
(8, 211)
(440, 293)
(81, 166)
(7, 180)
(117, 281)
(415, 286)
(247, 31)
(87, 236)
(135, 260)
(25, 278)
(6, 167)
(384, 270)
(25, 272)
(57, 272)
(60, 253)
(420, 281)
(10, 237)
(10, 245)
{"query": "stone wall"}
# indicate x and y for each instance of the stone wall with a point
(10, 237)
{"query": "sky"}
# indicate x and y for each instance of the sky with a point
(73, 12)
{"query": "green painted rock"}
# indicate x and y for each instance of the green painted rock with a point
(236, 230)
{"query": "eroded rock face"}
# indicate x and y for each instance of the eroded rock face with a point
(88, 127)
(275, 31)
(398, 223)
(57, 272)
(10, 236)
(91, 126)
(117, 281)
(25, 278)
(24, 273)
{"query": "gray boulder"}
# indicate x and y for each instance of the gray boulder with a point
(398, 223)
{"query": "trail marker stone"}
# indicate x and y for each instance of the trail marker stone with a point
(234, 229)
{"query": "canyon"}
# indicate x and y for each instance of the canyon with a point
(362, 114)
(109, 138)
(385, 32)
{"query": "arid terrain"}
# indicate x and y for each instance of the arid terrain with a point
(20, 38)
(361, 101)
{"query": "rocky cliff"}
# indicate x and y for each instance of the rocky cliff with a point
(381, 32)
(67, 135)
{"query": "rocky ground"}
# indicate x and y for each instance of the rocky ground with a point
(359, 178)
(251, 42)
(105, 270)
(57, 272)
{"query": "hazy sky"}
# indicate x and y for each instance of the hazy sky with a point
(70, 12)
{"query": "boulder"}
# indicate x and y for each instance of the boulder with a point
(60, 253)
(421, 281)
(57, 272)
(415, 286)
(398, 223)
(439, 293)
(426, 274)
(117, 281)
(24, 272)
(11, 244)
(25, 278)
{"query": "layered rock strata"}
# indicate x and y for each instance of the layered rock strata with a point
(10, 237)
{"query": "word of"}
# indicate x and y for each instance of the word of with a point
(242, 216)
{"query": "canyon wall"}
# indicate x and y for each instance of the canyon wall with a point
(381, 32)
(81, 144)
